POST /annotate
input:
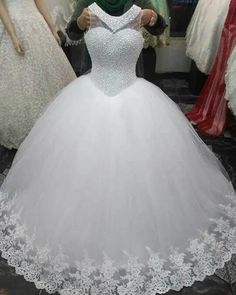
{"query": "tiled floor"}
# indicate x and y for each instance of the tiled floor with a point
(176, 86)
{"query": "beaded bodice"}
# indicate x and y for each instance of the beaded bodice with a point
(114, 44)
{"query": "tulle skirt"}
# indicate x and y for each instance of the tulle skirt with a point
(116, 195)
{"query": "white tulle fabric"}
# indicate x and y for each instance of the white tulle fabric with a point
(204, 32)
(230, 80)
(113, 192)
(29, 83)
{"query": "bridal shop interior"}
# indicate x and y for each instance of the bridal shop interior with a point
(131, 99)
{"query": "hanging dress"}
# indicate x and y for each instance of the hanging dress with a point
(204, 32)
(209, 114)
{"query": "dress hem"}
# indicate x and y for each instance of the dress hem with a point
(52, 272)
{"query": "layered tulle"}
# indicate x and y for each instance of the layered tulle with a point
(121, 195)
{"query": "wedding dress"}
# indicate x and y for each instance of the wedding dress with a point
(204, 32)
(113, 192)
(28, 83)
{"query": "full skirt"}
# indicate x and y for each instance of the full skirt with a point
(116, 195)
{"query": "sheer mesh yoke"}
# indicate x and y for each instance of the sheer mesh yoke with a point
(130, 19)
(114, 44)
(124, 212)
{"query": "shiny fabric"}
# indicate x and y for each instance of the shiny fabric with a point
(230, 80)
(113, 191)
(28, 83)
(210, 111)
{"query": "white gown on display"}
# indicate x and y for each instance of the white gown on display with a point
(204, 32)
(230, 80)
(29, 83)
(113, 192)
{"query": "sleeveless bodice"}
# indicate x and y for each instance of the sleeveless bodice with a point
(114, 44)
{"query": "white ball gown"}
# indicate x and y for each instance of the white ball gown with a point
(113, 192)
(28, 84)
(204, 32)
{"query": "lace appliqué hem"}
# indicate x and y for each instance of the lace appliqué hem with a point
(51, 271)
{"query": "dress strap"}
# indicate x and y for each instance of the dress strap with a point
(115, 23)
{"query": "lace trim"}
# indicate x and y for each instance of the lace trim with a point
(114, 23)
(51, 271)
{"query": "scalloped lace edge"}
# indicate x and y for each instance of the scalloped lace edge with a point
(50, 271)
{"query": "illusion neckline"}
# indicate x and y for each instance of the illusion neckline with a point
(114, 16)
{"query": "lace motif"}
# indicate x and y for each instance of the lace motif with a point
(51, 271)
